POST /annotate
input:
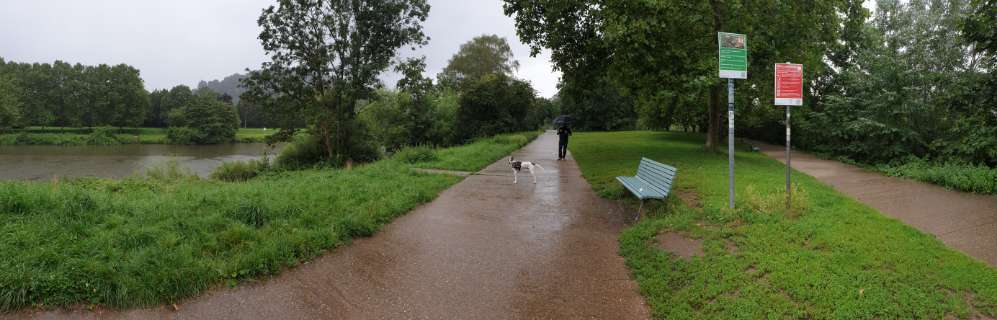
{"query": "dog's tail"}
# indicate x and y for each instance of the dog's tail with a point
(538, 166)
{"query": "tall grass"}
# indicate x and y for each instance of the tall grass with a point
(964, 177)
(829, 257)
(474, 156)
(167, 235)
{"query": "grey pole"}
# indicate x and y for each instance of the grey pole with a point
(789, 167)
(730, 137)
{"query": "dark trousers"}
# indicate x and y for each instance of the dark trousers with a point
(562, 148)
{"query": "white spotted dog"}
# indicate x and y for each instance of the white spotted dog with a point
(520, 165)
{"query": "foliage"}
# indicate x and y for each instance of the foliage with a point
(305, 151)
(492, 105)
(959, 176)
(913, 90)
(10, 101)
(483, 55)
(835, 258)
(72, 95)
(417, 154)
(138, 241)
(203, 120)
(236, 171)
(476, 155)
(600, 107)
(326, 56)
(102, 136)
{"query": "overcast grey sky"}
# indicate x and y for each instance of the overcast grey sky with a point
(185, 41)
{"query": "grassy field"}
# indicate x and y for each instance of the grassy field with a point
(160, 238)
(470, 156)
(78, 136)
(828, 258)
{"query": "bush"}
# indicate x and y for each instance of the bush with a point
(965, 177)
(184, 135)
(203, 120)
(240, 170)
(305, 151)
(416, 154)
(103, 136)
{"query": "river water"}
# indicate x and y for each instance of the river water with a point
(44, 162)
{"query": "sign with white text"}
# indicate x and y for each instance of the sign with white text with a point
(733, 55)
(788, 84)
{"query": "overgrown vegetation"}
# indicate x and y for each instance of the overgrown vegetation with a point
(90, 136)
(828, 258)
(909, 79)
(169, 235)
(959, 176)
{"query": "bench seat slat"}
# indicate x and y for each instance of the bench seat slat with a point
(652, 181)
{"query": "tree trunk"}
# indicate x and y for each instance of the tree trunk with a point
(713, 126)
(324, 131)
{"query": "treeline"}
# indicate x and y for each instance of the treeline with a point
(915, 80)
(476, 95)
(71, 95)
(65, 95)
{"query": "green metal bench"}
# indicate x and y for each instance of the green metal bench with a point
(653, 181)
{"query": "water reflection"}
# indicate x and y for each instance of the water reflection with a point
(43, 162)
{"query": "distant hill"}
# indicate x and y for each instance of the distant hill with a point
(229, 85)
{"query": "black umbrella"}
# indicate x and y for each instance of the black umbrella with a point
(563, 120)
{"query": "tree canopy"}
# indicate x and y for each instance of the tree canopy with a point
(325, 57)
(483, 55)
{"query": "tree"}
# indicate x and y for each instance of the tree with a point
(203, 120)
(10, 100)
(494, 104)
(177, 97)
(326, 55)
(128, 98)
(663, 53)
(483, 55)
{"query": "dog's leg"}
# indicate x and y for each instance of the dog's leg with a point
(515, 176)
(533, 174)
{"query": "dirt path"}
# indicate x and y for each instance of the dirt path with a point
(963, 221)
(485, 249)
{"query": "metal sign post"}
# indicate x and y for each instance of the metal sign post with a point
(733, 65)
(788, 92)
(730, 140)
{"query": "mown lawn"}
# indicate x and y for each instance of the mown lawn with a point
(147, 240)
(828, 258)
(78, 136)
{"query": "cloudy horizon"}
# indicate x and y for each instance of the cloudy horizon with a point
(184, 42)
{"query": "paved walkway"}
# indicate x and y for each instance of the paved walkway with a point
(963, 221)
(485, 249)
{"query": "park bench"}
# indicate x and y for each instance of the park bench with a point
(653, 181)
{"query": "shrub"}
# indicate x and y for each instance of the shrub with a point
(416, 154)
(959, 176)
(184, 135)
(240, 170)
(304, 151)
(170, 171)
(102, 136)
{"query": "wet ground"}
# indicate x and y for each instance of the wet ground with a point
(963, 221)
(485, 249)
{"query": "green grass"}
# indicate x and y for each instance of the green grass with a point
(160, 238)
(78, 136)
(964, 177)
(828, 258)
(477, 155)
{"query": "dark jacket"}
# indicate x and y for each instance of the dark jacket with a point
(563, 133)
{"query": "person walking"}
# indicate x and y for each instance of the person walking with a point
(562, 142)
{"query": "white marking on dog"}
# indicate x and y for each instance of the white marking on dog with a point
(519, 165)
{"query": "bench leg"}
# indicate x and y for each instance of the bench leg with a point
(639, 213)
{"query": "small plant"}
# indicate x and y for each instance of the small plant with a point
(170, 171)
(416, 154)
(103, 136)
(240, 170)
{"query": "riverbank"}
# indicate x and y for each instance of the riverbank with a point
(84, 136)
(147, 241)
(829, 257)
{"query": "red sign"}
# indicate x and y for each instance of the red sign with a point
(788, 84)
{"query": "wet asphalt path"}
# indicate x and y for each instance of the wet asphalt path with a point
(485, 249)
(964, 221)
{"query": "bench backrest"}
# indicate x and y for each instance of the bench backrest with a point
(657, 174)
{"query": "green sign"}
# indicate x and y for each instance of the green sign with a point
(733, 55)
